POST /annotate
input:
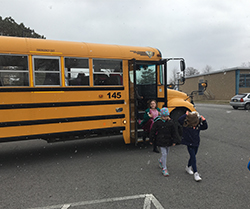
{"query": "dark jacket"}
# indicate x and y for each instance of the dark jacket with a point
(146, 117)
(163, 132)
(191, 135)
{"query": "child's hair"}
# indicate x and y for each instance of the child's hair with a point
(192, 120)
(152, 100)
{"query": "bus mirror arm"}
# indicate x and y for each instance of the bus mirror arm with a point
(182, 80)
(191, 98)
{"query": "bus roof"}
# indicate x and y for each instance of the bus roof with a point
(31, 46)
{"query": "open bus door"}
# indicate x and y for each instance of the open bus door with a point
(143, 86)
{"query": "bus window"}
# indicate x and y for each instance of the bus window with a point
(107, 72)
(14, 70)
(145, 80)
(47, 71)
(145, 74)
(76, 71)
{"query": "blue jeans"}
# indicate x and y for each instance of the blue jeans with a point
(192, 150)
(164, 153)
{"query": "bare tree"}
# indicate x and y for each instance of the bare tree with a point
(207, 69)
(173, 77)
(245, 64)
(191, 71)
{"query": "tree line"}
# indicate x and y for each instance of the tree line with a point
(175, 75)
(8, 27)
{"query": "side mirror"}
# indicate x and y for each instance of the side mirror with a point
(182, 65)
(204, 84)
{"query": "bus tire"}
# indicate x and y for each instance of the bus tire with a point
(174, 115)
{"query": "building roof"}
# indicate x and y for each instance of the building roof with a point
(220, 71)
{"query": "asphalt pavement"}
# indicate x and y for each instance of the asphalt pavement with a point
(106, 173)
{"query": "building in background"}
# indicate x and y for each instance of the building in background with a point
(221, 85)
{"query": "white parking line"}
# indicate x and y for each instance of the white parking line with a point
(149, 199)
(66, 206)
(147, 202)
(156, 203)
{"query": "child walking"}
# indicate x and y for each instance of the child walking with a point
(164, 134)
(192, 124)
(148, 119)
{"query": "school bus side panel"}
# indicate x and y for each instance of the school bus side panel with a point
(48, 112)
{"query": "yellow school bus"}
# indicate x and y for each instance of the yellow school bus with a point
(59, 90)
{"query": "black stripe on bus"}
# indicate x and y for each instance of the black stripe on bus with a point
(37, 89)
(161, 100)
(59, 120)
(66, 135)
(60, 104)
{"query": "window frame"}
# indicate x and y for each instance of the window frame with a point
(17, 71)
(34, 71)
(121, 73)
(243, 78)
(66, 72)
(200, 87)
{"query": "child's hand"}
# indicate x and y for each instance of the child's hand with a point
(187, 112)
(150, 143)
(202, 118)
(150, 115)
(173, 144)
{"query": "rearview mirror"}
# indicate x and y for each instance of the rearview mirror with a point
(182, 65)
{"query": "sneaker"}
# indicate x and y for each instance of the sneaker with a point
(165, 172)
(197, 176)
(160, 164)
(189, 170)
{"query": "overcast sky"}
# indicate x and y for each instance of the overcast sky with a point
(204, 32)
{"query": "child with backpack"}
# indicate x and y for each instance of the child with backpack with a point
(192, 124)
(163, 133)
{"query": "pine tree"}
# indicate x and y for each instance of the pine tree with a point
(147, 76)
(8, 27)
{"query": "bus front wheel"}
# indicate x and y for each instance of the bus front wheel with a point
(174, 115)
